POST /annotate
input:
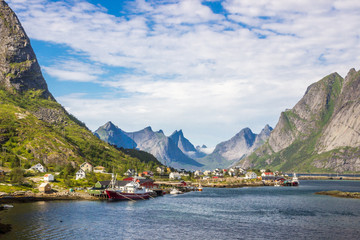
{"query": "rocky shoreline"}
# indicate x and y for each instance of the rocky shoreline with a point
(341, 194)
(34, 197)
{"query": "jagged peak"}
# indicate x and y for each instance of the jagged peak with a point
(20, 69)
(148, 128)
(109, 124)
(350, 74)
(267, 128)
(160, 131)
(177, 133)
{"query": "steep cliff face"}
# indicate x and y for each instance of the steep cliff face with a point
(321, 132)
(33, 126)
(307, 114)
(343, 129)
(19, 68)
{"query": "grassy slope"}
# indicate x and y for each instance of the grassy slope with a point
(27, 140)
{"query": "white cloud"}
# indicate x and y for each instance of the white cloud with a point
(187, 67)
(74, 70)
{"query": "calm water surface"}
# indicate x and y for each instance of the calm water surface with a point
(242, 213)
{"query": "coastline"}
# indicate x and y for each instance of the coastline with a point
(35, 197)
(336, 193)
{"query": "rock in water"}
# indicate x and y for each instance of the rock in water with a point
(20, 70)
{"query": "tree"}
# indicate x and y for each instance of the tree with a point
(17, 175)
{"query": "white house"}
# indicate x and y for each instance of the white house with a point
(262, 170)
(48, 178)
(251, 175)
(174, 175)
(207, 173)
(198, 173)
(80, 174)
(86, 167)
(160, 170)
(130, 173)
(38, 167)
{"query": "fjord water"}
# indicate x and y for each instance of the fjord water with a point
(241, 213)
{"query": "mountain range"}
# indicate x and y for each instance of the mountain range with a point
(321, 133)
(178, 152)
(34, 128)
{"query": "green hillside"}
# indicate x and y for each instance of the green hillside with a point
(34, 129)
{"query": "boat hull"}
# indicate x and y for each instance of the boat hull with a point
(116, 195)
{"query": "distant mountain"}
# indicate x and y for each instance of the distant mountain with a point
(185, 145)
(164, 148)
(320, 133)
(115, 136)
(242, 144)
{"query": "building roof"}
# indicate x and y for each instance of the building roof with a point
(44, 184)
(47, 175)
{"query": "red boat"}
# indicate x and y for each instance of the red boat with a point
(131, 191)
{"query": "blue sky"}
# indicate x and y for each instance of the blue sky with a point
(210, 68)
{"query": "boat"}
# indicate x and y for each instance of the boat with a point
(200, 188)
(277, 184)
(130, 191)
(175, 191)
(293, 182)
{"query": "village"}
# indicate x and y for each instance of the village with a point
(90, 182)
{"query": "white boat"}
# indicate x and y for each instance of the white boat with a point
(175, 191)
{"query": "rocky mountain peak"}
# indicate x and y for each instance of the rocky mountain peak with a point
(19, 68)
(148, 129)
(350, 74)
(110, 126)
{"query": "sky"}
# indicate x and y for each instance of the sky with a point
(210, 68)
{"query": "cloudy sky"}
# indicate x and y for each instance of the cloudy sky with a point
(209, 67)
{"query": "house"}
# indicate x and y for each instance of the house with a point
(48, 177)
(99, 169)
(198, 173)
(262, 170)
(38, 168)
(240, 170)
(80, 174)
(250, 175)
(86, 167)
(130, 173)
(148, 174)
(45, 187)
(232, 172)
(160, 170)
(174, 175)
(267, 174)
(207, 173)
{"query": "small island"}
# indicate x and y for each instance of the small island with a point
(341, 194)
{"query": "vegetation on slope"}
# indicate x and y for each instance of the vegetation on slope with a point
(37, 130)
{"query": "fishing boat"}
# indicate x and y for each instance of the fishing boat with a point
(130, 191)
(293, 182)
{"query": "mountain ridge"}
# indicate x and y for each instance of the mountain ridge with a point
(320, 133)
